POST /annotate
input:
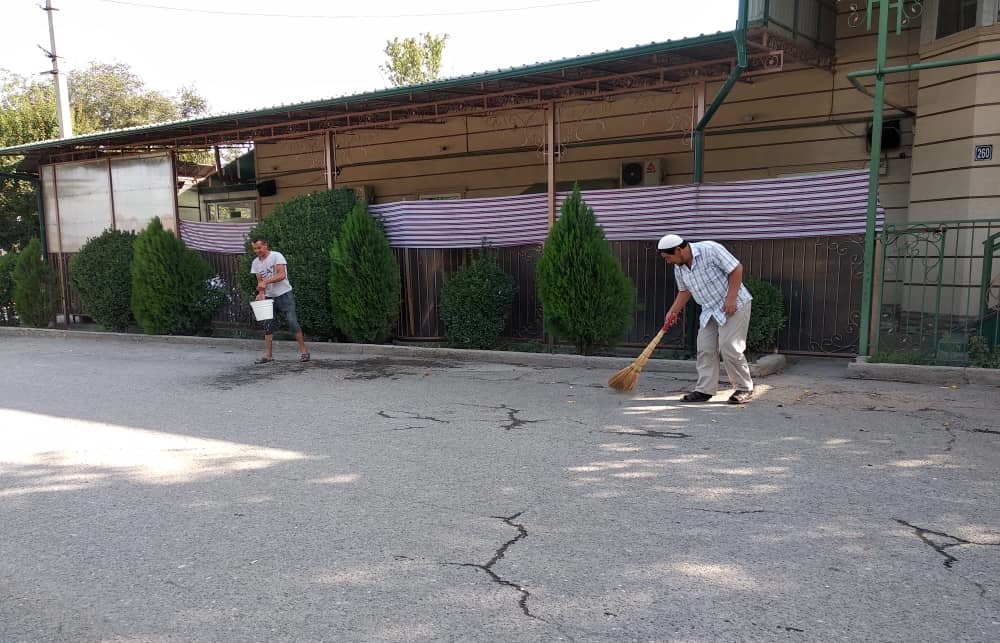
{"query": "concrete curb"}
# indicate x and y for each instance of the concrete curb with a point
(765, 366)
(940, 375)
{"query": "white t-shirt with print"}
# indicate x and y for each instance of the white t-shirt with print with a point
(267, 268)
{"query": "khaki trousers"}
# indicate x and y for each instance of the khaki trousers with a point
(729, 340)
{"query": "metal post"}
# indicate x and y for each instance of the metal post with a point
(550, 148)
(873, 170)
(62, 93)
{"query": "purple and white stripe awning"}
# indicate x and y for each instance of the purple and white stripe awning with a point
(228, 238)
(828, 204)
(812, 205)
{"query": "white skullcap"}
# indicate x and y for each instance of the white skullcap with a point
(669, 241)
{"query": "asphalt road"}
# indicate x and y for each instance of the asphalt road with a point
(152, 492)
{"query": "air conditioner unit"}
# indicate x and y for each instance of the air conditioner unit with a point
(639, 173)
(364, 193)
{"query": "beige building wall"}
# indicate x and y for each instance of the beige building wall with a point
(959, 108)
(803, 119)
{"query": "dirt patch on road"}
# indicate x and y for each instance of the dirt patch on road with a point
(364, 369)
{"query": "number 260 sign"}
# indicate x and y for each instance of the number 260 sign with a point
(984, 152)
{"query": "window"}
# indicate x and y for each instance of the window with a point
(243, 210)
(955, 16)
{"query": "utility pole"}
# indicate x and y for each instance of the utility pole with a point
(62, 92)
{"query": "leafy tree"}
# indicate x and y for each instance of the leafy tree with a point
(475, 303)
(101, 274)
(27, 113)
(412, 61)
(364, 279)
(106, 96)
(303, 229)
(171, 289)
(586, 296)
(35, 289)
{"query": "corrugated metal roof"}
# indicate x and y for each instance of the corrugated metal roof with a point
(387, 94)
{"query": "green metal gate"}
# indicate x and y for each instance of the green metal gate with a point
(938, 290)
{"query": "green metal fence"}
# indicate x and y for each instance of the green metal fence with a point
(939, 291)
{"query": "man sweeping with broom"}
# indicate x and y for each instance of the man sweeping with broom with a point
(708, 272)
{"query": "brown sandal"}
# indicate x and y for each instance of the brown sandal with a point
(696, 396)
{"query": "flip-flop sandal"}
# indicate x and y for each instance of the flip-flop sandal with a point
(304, 357)
(263, 360)
(696, 396)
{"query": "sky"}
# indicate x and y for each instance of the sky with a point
(243, 55)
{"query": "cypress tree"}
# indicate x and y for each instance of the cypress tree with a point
(171, 294)
(586, 297)
(364, 280)
(35, 289)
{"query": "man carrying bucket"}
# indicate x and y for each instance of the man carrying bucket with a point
(271, 271)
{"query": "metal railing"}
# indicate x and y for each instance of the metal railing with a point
(937, 290)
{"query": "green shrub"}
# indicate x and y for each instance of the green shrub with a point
(101, 274)
(586, 296)
(767, 315)
(172, 292)
(981, 354)
(7, 263)
(475, 303)
(364, 280)
(35, 289)
(302, 230)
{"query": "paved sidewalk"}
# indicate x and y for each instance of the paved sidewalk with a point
(155, 491)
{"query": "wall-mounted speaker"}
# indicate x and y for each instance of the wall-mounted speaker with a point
(892, 135)
(267, 188)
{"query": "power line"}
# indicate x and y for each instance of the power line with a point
(348, 17)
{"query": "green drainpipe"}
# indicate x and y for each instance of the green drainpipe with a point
(698, 139)
(698, 136)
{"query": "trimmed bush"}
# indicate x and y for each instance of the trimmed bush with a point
(171, 285)
(364, 280)
(7, 263)
(101, 275)
(475, 303)
(586, 297)
(35, 289)
(767, 315)
(303, 229)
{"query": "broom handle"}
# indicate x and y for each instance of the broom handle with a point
(644, 355)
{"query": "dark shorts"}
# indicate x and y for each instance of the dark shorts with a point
(285, 304)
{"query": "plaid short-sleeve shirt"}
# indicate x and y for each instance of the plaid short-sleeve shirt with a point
(708, 280)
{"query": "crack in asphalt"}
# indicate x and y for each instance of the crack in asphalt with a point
(411, 416)
(522, 533)
(949, 560)
(515, 422)
(523, 594)
(730, 512)
(651, 433)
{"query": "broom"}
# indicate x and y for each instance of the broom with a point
(625, 379)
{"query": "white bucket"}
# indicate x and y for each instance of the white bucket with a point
(263, 309)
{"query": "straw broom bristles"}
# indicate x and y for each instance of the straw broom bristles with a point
(625, 379)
